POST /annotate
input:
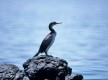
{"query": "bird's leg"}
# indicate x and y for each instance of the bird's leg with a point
(46, 53)
(36, 54)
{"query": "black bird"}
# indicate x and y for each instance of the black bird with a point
(48, 40)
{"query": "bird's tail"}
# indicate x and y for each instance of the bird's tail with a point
(36, 54)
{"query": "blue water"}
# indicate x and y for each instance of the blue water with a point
(82, 38)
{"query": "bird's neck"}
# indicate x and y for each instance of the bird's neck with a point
(51, 29)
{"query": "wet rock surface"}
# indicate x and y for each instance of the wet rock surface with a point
(39, 68)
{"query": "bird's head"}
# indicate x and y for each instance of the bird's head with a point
(54, 23)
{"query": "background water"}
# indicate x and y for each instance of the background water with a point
(82, 38)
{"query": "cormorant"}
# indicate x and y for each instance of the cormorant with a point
(48, 40)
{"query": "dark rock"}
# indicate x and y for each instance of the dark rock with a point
(46, 67)
(8, 71)
(77, 77)
(39, 68)
(20, 75)
(11, 72)
(74, 77)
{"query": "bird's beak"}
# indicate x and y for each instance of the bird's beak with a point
(59, 23)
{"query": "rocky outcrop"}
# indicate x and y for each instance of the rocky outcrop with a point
(39, 68)
(46, 67)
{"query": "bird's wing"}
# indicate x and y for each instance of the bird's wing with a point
(47, 42)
